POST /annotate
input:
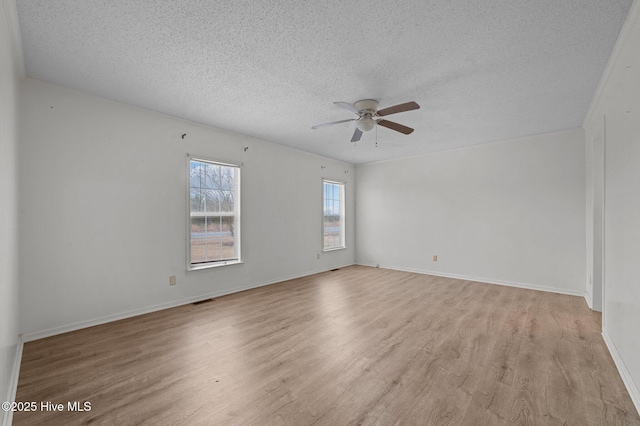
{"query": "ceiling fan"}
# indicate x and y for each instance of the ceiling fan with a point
(369, 116)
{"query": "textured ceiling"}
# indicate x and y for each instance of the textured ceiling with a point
(481, 70)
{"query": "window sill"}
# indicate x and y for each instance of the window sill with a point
(213, 265)
(334, 249)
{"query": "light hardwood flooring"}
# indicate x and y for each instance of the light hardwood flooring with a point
(354, 346)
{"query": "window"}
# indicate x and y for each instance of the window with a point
(332, 215)
(214, 214)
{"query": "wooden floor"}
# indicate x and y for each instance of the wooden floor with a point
(355, 346)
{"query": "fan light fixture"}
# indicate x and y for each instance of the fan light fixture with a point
(365, 124)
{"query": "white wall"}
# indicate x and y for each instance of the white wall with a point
(617, 105)
(8, 209)
(103, 210)
(510, 212)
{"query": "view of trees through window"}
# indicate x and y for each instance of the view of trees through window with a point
(333, 215)
(214, 218)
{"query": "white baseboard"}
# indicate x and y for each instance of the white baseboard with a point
(36, 335)
(589, 298)
(631, 386)
(7, 418)
(482, 280)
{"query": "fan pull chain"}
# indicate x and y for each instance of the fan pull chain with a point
(376, 135)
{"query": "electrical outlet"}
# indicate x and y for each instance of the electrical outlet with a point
(435, 258)
(318, 256)
(172, 280)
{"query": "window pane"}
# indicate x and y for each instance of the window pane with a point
(227, 237)
(196, 200)
(227, 178)
(211, 174)
(198, 243)
(212, 200)
(196, 173)
(213, 239)
(197, 225)
(212, 244)
(226, 201)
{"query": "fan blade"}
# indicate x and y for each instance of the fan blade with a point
(398, 108)
(356, 135)
(348, 106)
(332, 123)
(395, 126)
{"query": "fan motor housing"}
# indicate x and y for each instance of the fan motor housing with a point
(365, 106)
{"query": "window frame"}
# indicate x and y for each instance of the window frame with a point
(343, 215)
(237, 214)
